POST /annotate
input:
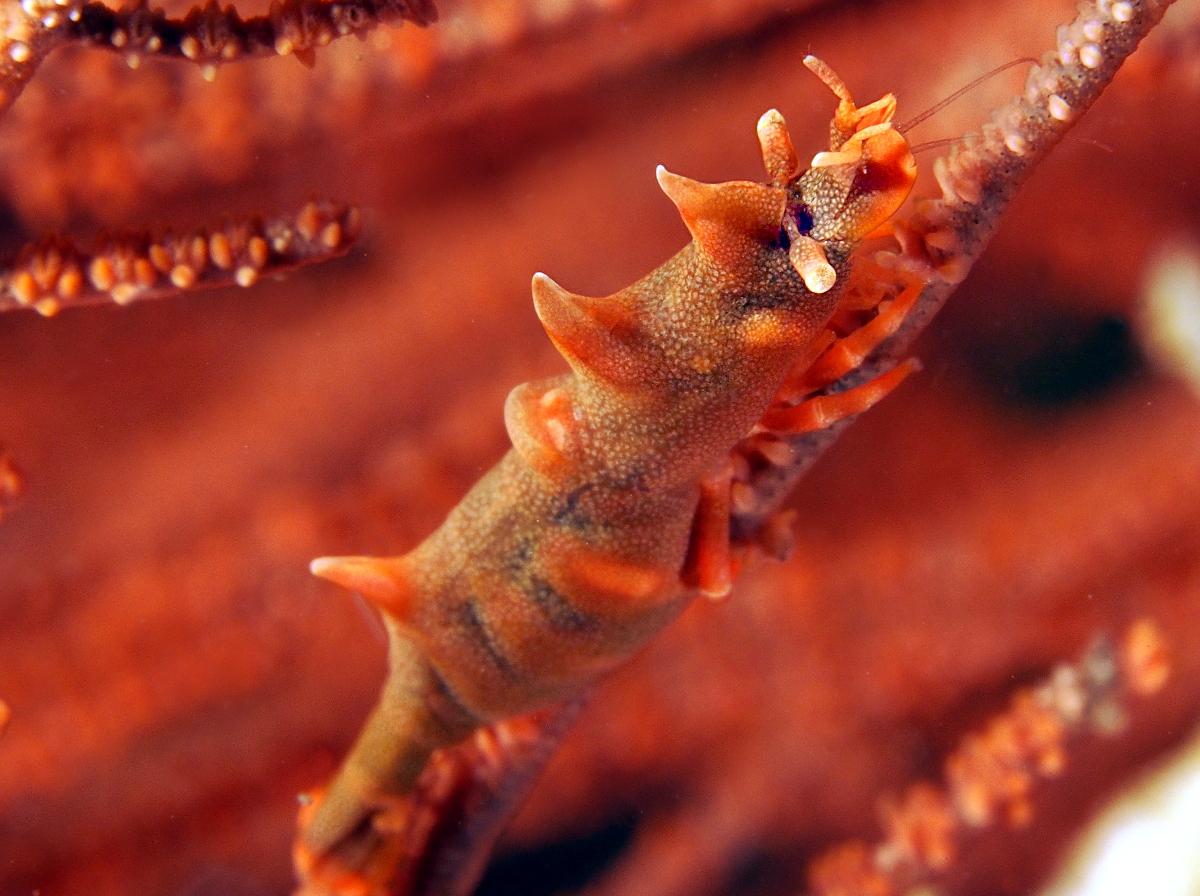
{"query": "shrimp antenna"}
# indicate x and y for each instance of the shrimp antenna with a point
(942, 104)
(932, 144)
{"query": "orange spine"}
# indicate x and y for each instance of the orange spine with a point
(612, 509)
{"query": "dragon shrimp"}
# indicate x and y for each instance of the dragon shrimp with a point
(611, 511)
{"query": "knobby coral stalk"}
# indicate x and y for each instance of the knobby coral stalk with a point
(990, 777)
(125, 267)
(31, 29)
(465, 797)
(937, 243)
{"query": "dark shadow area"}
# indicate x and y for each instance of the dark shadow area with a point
(560, 867)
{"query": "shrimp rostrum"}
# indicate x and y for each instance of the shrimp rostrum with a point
(611, 511)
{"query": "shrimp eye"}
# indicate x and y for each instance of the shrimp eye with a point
(804, 219)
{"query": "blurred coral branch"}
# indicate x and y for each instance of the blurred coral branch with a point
(11, 484)
(31, 29)
(127, 267)
(991, 776)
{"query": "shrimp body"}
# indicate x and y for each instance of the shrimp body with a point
(611, 511)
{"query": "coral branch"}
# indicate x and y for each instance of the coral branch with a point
(11, 482)
(991, 775)
(445, 830)
(941, 239)
(496, 769)
(55, 273)
(209, 35)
